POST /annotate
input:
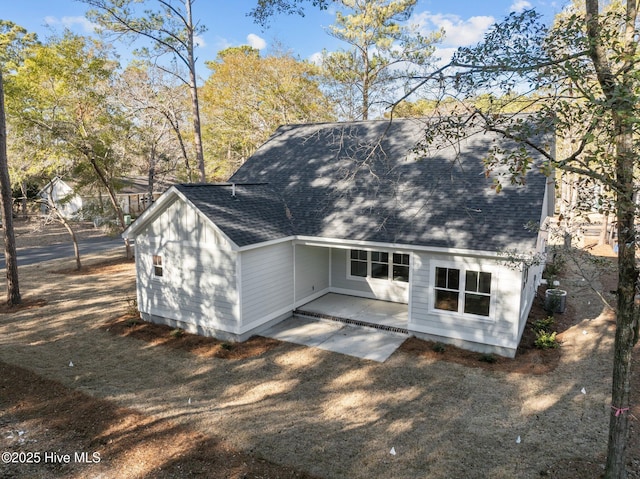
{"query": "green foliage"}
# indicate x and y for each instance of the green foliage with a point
(14, 40)
(545, 336)
(380, 40)
(439, 348)
(546, 340)
(62, 112)
(247, 97)
(266, 9)
(543, 325)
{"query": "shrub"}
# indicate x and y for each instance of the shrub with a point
(546, 340)
(177, 333)
(439, 348)
(488, 358)
(543, 324)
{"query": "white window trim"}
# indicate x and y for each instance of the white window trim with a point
(390, 263)
(154, 276)
(463, 269)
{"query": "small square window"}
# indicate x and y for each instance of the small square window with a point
(157, 265)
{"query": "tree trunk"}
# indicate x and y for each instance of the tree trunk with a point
(619, 94)
(13, 288)
(74, 239)
(365, 86)
(193, 88)
(24, 190)
(626, 320)
(604, 230)
(152, 175)
(112, 198)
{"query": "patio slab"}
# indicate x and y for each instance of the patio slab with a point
(365, 310)
(337, 337)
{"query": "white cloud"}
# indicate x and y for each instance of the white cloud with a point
(71, 22)
(199, 41)
(520, 5)
(316, 58)
(256, 42)
(458, 31)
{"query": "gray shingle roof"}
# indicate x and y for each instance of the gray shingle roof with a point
(247, 214)
(362, 181)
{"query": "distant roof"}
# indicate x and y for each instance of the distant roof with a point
(363, 181)
(140, 185)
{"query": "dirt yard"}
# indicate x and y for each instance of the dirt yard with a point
(88, 391)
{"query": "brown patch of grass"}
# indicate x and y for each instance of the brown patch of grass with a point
(203, 346)
(27, 303)
(43, 415)
(110, 266)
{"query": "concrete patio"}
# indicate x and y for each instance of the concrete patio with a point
(360, 327)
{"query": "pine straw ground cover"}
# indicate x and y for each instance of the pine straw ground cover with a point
(80, 374)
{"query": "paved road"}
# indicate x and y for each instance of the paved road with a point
(63, 250)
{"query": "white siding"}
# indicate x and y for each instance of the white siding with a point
(530, 283)
(501, 329)
(396, 291)
(312, 271)
(198, 284)
(266, 284)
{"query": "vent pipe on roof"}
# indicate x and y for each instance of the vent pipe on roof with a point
(233, 189)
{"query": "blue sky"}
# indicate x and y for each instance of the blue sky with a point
(228, 25)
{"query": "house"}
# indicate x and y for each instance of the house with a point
(132, 194)
(347, 208)
(60, 194)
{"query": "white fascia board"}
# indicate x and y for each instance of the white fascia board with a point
(350, 244)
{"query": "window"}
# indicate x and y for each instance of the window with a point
(401, 267)
(157, 265)
(449, 287)
(379, 265)
(477, 296)
(359, 262)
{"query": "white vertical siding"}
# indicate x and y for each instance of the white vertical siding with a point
(267, 284)
(530, 283)
(501, 329)
(198, 286)
(312, 271)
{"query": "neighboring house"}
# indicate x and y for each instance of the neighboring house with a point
(347, 208)
(132, 194)
(58, 193)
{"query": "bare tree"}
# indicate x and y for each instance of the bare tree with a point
(172, 32)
